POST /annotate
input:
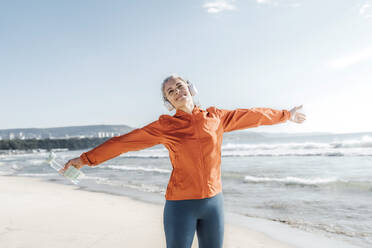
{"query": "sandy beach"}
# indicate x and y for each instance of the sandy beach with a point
(35, 213)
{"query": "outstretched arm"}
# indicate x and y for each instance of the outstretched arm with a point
(247, 118)
(135, 140)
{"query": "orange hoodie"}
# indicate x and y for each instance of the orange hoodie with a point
(194, 145)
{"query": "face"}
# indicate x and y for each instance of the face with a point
(177, 92)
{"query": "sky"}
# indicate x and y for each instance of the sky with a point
(89, 62)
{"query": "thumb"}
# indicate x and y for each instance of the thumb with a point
(68, 164)
(299, 106)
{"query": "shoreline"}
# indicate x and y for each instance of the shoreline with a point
(38, 213)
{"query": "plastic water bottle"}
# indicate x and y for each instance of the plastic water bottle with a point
(71, 173)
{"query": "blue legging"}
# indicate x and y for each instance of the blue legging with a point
(182, 217)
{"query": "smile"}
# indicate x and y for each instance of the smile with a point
(180, 97)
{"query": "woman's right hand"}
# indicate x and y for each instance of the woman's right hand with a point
(76, 162)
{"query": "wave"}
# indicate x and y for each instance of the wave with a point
(37, 174)
(302, 154)
(329, 182)
(268, 147)
(6, 173)
(59, 149)
(141, 187)
(290, 180)
(38, 161)
(364, 142)
(328, 228)
(351, 147)
(16, 167)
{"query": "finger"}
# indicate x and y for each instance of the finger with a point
(65, 167)
(299, 106)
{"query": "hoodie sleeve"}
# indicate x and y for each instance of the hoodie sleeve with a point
(246, 118)
(135, 140)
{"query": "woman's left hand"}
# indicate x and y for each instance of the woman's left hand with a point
(297, 117)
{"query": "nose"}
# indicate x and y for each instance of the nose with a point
(178, 91)
(178, 94)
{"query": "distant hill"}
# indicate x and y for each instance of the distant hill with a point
(91, 131)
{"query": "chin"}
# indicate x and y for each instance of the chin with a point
(183, 102)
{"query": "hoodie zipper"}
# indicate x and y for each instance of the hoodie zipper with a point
(201, 153)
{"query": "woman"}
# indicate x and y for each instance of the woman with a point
(193, 136)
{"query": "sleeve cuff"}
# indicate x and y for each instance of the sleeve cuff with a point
(85, 159)
(289, 115)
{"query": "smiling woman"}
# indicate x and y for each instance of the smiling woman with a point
(193, 137)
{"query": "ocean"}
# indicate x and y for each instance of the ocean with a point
(319, 183)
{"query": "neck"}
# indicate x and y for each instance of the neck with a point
(188, 107)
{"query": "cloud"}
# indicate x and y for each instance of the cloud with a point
(288, 3)
(266, 2)
(351, 59)
(218, 6)
(366, 10)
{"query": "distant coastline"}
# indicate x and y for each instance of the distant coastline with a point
(90, 131)
(36, 145)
